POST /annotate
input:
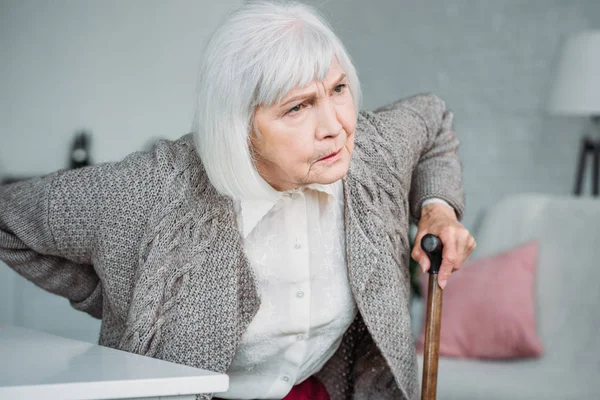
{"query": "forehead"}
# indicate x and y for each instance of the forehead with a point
(335, 70)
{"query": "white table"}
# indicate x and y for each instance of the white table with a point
(36, 365)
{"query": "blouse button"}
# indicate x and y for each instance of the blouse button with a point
(299, 294)
(286, 379)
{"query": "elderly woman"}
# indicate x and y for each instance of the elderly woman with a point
(272, 242)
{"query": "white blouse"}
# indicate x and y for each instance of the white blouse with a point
(296, 248)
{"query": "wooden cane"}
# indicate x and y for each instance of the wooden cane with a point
(432, 246)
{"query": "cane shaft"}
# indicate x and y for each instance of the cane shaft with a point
(432, 339)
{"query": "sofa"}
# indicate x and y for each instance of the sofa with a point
(567, 298)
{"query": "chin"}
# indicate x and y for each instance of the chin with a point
(335, 173)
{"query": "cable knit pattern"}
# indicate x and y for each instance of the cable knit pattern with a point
(149, 246)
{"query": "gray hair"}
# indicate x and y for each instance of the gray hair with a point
(261, 51)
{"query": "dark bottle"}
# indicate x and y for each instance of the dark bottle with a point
(80, 152)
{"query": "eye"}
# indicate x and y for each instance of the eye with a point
(339, 88)
(295, 109)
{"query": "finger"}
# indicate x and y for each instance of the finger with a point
(465, 248)
(450, 258)
(471, 245)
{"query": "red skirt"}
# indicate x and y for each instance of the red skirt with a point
(310, 389)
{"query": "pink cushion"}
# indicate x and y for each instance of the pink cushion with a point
(488, 308)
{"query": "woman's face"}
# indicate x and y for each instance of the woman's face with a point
(309, 136)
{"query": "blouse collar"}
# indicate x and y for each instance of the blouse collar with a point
(251, 212)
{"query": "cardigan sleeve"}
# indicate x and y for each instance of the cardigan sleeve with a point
(437, 172)
(49, 225)
(28, 246)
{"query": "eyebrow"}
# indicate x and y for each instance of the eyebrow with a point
(313, 94)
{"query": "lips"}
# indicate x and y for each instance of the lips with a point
(331, 155)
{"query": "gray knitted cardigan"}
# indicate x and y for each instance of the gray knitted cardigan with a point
(150, 247)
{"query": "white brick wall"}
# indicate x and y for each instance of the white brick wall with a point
(493, 62)
(126, 70)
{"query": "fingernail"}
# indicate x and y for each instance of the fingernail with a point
(422, 267)
(443, 283)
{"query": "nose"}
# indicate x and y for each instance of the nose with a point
(328, 124)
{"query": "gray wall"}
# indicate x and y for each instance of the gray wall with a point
(125, 70)
(493, 63)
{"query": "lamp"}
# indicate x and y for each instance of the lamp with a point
(576, 91)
